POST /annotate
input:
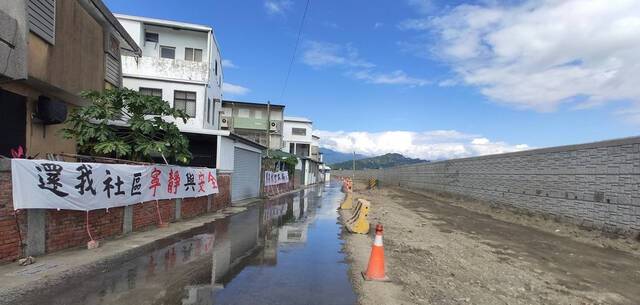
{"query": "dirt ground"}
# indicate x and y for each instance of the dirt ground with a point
(438, 252)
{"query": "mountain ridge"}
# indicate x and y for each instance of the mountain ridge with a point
(383, 161)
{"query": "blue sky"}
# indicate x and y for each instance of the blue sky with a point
(432, 79)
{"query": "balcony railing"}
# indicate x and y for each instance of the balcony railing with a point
(156, 67)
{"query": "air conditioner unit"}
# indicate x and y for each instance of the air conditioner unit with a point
(225, 122)
(273, 126)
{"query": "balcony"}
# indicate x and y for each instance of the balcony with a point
(163, 68)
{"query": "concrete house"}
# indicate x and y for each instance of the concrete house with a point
(181, 63)
(46, 62)
(299, 140)
(254, 121)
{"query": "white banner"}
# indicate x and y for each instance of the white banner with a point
(43, 184)
(275, 178)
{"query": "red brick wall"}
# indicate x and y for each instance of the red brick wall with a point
(145, 214)
(223, 198)
(9, 238)
(192, 207)
(67, 229)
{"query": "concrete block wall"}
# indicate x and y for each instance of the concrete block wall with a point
(46, 231)
(593, 185)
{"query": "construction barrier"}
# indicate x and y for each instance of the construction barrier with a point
(359, 222)
(347, 204)
(373, 183)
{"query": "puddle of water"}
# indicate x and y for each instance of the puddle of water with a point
(284, 251)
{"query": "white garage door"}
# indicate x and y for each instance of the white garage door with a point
(245, 181)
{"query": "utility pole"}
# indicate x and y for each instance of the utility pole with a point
(353, 171)
(268, 127)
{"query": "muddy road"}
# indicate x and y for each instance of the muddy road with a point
(441, 253)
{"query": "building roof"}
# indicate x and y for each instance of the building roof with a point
(105, 16)
(297, 119)
(251, 104)
(167, 23)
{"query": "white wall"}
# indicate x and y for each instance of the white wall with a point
(225, 153)
(179, 39)
(167, 94)
(288, 137)
(135, 30)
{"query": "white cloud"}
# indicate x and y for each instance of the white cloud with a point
(324, 54)
(231, 89)
(320, 55)
(428, 145)
(540, 54)
(277, 7)
(397, 77)
(378, 25)
(227, 63)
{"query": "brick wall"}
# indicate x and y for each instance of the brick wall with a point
(192, 207)
(9, 238)
(222, 199)
(67, 229)
(594, 185)
(145, 215)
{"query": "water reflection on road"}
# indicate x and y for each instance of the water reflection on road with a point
(283, 251)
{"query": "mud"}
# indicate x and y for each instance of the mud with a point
(442, 253)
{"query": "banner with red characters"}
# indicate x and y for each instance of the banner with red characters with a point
(43, 184)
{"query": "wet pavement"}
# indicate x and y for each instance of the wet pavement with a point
(282, 251)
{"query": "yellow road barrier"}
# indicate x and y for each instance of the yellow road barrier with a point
(359, 222)
(347, 204)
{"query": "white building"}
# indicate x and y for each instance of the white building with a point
(297, 136)
(298, 139)
(181, 63)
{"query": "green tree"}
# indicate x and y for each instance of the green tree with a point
(129, 125)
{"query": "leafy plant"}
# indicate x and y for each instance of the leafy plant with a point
(129, 125)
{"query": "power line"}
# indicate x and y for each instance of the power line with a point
(295, 49)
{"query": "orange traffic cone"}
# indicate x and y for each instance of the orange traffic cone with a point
(375, 270)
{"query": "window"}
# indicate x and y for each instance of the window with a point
(216, 67)
(257, 114)
(208, 110)
(192, 54)
(244, 113)
(167, 52)
(292, 148)
(299, 131)
(151, 91)
(151, 37)
(41, 16)
(185, 101)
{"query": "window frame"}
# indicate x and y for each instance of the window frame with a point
(296, 131)
(184, 101)
(193, 54)
(152, 33)
(140, 89)
(167, 47)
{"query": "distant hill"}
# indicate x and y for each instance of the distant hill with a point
(331, 156)
(384, 161)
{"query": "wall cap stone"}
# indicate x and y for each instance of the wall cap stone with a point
(5, 165)
(554, 149)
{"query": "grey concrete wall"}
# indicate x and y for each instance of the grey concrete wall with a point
(593, 185)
